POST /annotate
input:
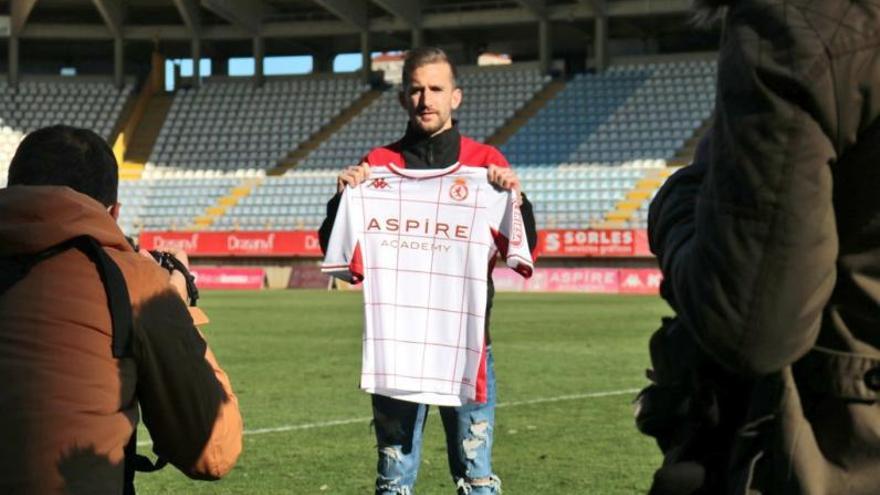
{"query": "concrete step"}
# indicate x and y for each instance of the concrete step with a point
(147, 131)
(315, 140)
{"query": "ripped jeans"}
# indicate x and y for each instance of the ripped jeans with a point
(399, 428)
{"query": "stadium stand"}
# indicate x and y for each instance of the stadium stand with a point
(227, 131)
(577, 196)
(169, 204)
(603, 139)
(229, 124)
(93, 103)
(589, 158)
(630, 113)
(573, 196)
(295, 201)
(492, 96)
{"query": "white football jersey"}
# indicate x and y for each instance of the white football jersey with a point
(423, 242)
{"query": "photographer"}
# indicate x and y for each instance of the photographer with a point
(90, 330)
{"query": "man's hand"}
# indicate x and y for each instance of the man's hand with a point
(178, 281)
(506, 178)
(352, 176)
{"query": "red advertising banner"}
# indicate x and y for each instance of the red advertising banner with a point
(228, 277)
(553, 243)
(587, 280)
(640, 281)
(255, 244)
(642, 247)
(507, 280)
(586, 242)
(592, 280)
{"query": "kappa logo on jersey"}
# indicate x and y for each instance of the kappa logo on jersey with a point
(379, 183)
(459, 190)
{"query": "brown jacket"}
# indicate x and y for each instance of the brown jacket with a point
(67, 407)
(771, 249)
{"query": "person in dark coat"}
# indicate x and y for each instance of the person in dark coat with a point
(770, 250)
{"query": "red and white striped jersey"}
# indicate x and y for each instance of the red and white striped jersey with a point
(423, 243)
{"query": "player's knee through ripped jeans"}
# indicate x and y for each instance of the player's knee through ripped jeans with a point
(469, 433)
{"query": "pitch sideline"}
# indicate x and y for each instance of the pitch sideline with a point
(366, 419)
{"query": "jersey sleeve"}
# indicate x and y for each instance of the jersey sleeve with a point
(496, 158)
(509, 233)
(343, 257)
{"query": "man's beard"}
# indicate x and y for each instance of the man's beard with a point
(430, 127)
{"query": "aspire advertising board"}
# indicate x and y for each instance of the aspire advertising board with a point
(587, 280)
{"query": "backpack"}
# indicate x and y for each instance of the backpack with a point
(15, 268)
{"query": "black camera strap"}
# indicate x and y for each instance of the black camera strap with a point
(15, 268)
(171, 263)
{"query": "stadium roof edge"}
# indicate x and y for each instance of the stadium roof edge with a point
(384, 24)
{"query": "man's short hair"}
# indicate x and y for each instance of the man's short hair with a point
(417, 57)
(62, 155)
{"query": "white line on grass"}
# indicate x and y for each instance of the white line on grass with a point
(341, 422)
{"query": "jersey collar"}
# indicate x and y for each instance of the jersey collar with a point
(423, 173)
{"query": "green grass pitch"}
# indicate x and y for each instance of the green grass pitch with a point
(294, 361)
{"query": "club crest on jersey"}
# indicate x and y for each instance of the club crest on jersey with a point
(459, 190)
(379, 183)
